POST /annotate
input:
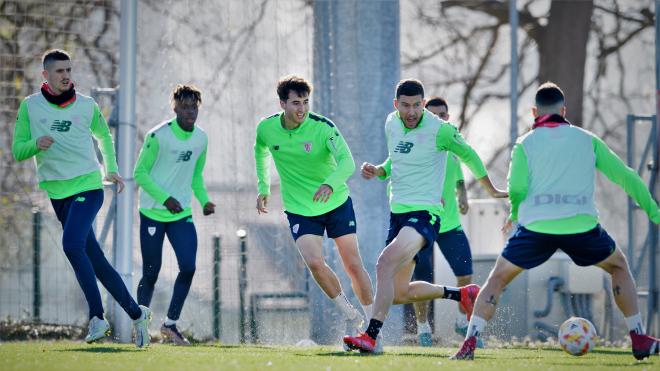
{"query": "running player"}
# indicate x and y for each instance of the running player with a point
(551, 181)
(314, 163)
(417, 143)
(169, 170)
(56, 126)
(451, 240)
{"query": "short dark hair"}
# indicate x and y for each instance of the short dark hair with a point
(183, 92)
(549, 95)
(295, 83)
(409, 87)
(436, 101)
(53, 55)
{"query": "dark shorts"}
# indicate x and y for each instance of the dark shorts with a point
(423, 222)
(338, 222)
(528, 249)
(455, 247)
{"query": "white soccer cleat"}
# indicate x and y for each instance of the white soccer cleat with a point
(98, 329)
(141, 328)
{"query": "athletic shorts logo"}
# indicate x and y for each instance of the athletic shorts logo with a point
(404, 147)
(189, 220)
(60, 125)
(308, 147)
(184, 156)
(80, 199)
(351, 223)
(413, 220)
(295, 228)
(151, 231)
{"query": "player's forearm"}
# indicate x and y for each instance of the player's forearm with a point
(386, 166)
(198, 186)
(517, 180)
(345, 168)
(23, 145)
(142, 171)
(262, 162)
(101, 132)
(616, 170)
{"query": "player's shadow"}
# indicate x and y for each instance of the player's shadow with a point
(102, 349)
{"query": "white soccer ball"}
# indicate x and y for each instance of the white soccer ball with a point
(577, 336)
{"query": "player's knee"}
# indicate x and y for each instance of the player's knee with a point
(353, 268)
(383, 265)
(315, 264)
(187, 270)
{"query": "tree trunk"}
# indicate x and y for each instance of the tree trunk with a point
(563, 50)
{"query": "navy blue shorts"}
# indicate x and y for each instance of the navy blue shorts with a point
(423, 222)
(528, 249)
(338, 222)
(455, 247)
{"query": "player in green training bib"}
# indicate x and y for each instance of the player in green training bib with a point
(169, 170)
(451, 238)
(551, 181)
(418, 143)
(57, 126)
(314, 163)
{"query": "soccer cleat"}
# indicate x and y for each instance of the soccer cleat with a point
(644, 346)
(468, 297)
(353, 327)
(172, 333)
(425, 339)
(379, 344)
(363, 342)
(98, 329)
(141, 327)
(467, 349)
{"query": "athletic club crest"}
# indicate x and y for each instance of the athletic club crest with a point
(308, 146)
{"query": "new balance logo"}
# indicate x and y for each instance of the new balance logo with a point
(351, 223)
(184, 156)
(60, 125)
(413, 220)
(80, 199)
(403, 147)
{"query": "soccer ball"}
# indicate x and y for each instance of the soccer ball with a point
(577, 336)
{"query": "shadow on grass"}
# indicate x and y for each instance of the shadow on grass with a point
(597, 351)
(393, 354)
(234, 346)
(103, 349)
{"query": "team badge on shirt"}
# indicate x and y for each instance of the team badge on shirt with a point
(308, 146)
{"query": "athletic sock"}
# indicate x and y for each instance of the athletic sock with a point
(374, 328)
(634, 323)
(476, 327)
(452, 293)
(342, 301)
(169, 322)
(423, 327)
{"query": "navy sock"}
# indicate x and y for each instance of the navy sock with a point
(374, 328)
(452, 293)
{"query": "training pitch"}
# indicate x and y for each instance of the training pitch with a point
(68, 355)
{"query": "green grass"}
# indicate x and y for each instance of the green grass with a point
(67, 355)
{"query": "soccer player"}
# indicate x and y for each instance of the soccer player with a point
(551, 183)
(169, 170)
(451, 238)
(417, 143)
(56, 126)
(314, 163)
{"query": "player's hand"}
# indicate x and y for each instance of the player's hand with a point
(209, 208)
(323, 193)
(117, 179)
(43, 143)
(262, 203)
(173, 205)
(369, 171)
(506, 228)
(463, 205)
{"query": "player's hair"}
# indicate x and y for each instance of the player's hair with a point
(436, 101)
(184, 92)
(293, 83)
(549, 98)
(410, 88)
(53, 55)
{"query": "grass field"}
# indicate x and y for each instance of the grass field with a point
(68, 355)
